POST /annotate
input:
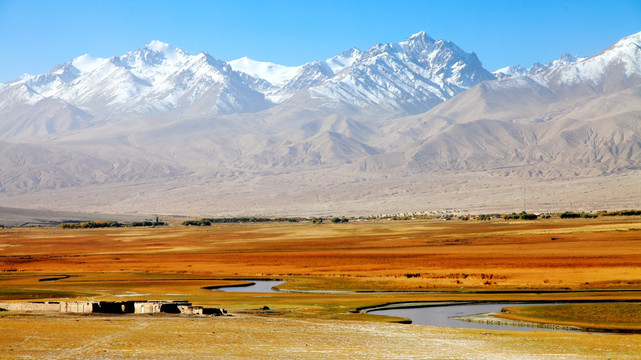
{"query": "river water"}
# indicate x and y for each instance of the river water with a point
(260, 286)
(442, 316)
(431, 315)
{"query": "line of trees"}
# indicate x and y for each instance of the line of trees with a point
(240, 219)
(336, 220)
(90, 225)
(574, 215)
(109, 223)
(148, 223)
(620, 213)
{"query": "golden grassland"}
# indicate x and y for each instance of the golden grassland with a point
(580, 259)
(355, 256)
(595, 316)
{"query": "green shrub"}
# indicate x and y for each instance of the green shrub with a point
(569, 215)
(526, 216)
(574, 215)
(521, 216)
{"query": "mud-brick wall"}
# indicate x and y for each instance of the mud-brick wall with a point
(190, 310)
(30, 306)
(84, 307)
(146, 307)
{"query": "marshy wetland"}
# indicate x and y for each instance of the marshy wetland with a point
(331, 271)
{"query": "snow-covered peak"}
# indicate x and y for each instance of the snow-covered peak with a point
(634, 39)
(87, 63)
(276, 74)
(344, 59)
(158, 46)
(421, 35)
(170, 52)
(417, 43)
(154, 54)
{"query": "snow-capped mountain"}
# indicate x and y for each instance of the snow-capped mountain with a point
(346, 132)
(518, 70)
(156, 79)
(409, 76)
(159, 79)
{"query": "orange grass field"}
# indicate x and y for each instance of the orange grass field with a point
(581, 259)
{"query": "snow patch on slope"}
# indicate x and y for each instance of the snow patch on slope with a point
(276, 74)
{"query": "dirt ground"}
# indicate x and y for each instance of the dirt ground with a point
(252, 337)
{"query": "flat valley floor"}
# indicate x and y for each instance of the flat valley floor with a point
(542, 260)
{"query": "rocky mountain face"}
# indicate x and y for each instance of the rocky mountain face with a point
(411, 120)
(408, 77)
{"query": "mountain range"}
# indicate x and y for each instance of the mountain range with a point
(415, 125)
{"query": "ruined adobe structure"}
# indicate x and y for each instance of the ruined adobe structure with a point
(114, 307)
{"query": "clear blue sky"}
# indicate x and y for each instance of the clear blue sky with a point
(37, 35)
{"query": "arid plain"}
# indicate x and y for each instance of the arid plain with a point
(331, 270)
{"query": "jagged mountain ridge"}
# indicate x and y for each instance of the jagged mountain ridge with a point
(156, 79)
(160, 79)
(416, 74)
(518, 70)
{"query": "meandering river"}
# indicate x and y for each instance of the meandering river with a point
(440, 315)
